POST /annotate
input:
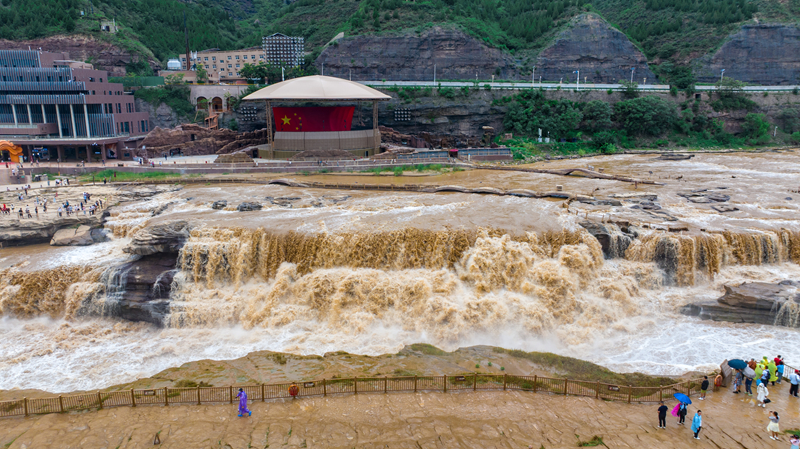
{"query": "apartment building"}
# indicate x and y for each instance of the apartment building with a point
(55, 108)
(224, 66)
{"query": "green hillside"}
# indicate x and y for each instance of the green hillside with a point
(674, 30)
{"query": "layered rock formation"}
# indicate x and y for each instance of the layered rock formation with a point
(758, 54)
(194, 139)
(29, 232)
(103, 55)
(412, 57)
(139, 290)
(753, 302)
(602, 53)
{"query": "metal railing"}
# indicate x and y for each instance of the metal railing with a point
(356, 385)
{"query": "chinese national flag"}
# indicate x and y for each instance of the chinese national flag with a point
(314, 119)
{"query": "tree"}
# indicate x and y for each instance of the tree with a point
(202, 74)
(630, 89)
(647, 115)
(597, 115)
(790, 118)
(531, 111)
(174, 79)
(756, 127)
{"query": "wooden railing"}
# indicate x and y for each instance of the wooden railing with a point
(359, 385)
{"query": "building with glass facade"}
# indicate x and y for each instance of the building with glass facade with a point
(55, 108)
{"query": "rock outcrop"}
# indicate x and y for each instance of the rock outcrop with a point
(753, 302)
(32, 231)
(614, 238)
(602, 53)
(758, 53)
(411, 57)
(139, 290)
(193, 139)
(168, 237)
(81, 47)
(80, 236)
(248, 207)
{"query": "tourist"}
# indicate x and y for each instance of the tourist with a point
(243, 404)
(60, 211)
(20, 213)
(662, 416)
(794, 440)
(762, 393)
(773, 372)
(28, 212)
(697, 424)
(704, 388)
(773, 426)
(737, 382)
(780, 366)
(752, 364)
(748, 385)
(794, 380)
(682, 413)
(294, 390)
(718, 382)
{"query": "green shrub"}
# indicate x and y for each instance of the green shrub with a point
(647, 115)
(597, 115)
(755, 127)
(796, 137)
(174, 96)
(487, 87)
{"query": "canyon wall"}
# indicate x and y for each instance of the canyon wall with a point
(103, 55)
(757, 54)
(600, 52)
(412, 56)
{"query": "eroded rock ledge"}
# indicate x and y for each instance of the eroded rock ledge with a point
(753, 302)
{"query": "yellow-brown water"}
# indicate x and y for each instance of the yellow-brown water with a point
(320, 270)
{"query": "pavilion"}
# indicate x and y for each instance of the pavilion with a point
(319, 128)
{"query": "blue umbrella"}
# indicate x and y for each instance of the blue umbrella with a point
(683, 398)
(737, 364)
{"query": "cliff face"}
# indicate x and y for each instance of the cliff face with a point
(103, 55)
(758, 54)
(411, 57)
(602, 53)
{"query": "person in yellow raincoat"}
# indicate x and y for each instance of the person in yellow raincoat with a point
(759, 370)
(773, 372)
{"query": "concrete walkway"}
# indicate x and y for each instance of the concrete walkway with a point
(413, 420)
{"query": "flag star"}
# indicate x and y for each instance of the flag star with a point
(286, 120)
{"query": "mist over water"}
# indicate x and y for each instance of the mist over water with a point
(318, 271)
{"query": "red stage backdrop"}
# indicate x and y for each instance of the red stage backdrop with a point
(313, 119)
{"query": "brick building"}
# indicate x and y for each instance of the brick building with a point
(55, 108)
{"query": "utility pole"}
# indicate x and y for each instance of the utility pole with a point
(533, 76)
(721, 74)
(578, 80)
(283, 78)
(434, 74)
(323, 69)
(186, 38)
(632, 70)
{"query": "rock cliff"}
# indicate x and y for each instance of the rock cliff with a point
(758, 54)
(753, 302)
(103, 55)
(602, 53)
(412, 57)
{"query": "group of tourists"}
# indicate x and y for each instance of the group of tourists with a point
(764, 372)
(84, 206)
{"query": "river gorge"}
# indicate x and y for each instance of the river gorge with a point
(186, 273)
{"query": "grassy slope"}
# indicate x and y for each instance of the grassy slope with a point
(238, 23)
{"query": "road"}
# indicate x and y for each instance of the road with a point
(556, 86)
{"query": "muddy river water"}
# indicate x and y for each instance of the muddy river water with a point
(367, 272)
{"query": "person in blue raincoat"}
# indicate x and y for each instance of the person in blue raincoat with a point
(697, 424)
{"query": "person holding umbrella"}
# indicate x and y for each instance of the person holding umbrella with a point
(682, 410)
(697, 424)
